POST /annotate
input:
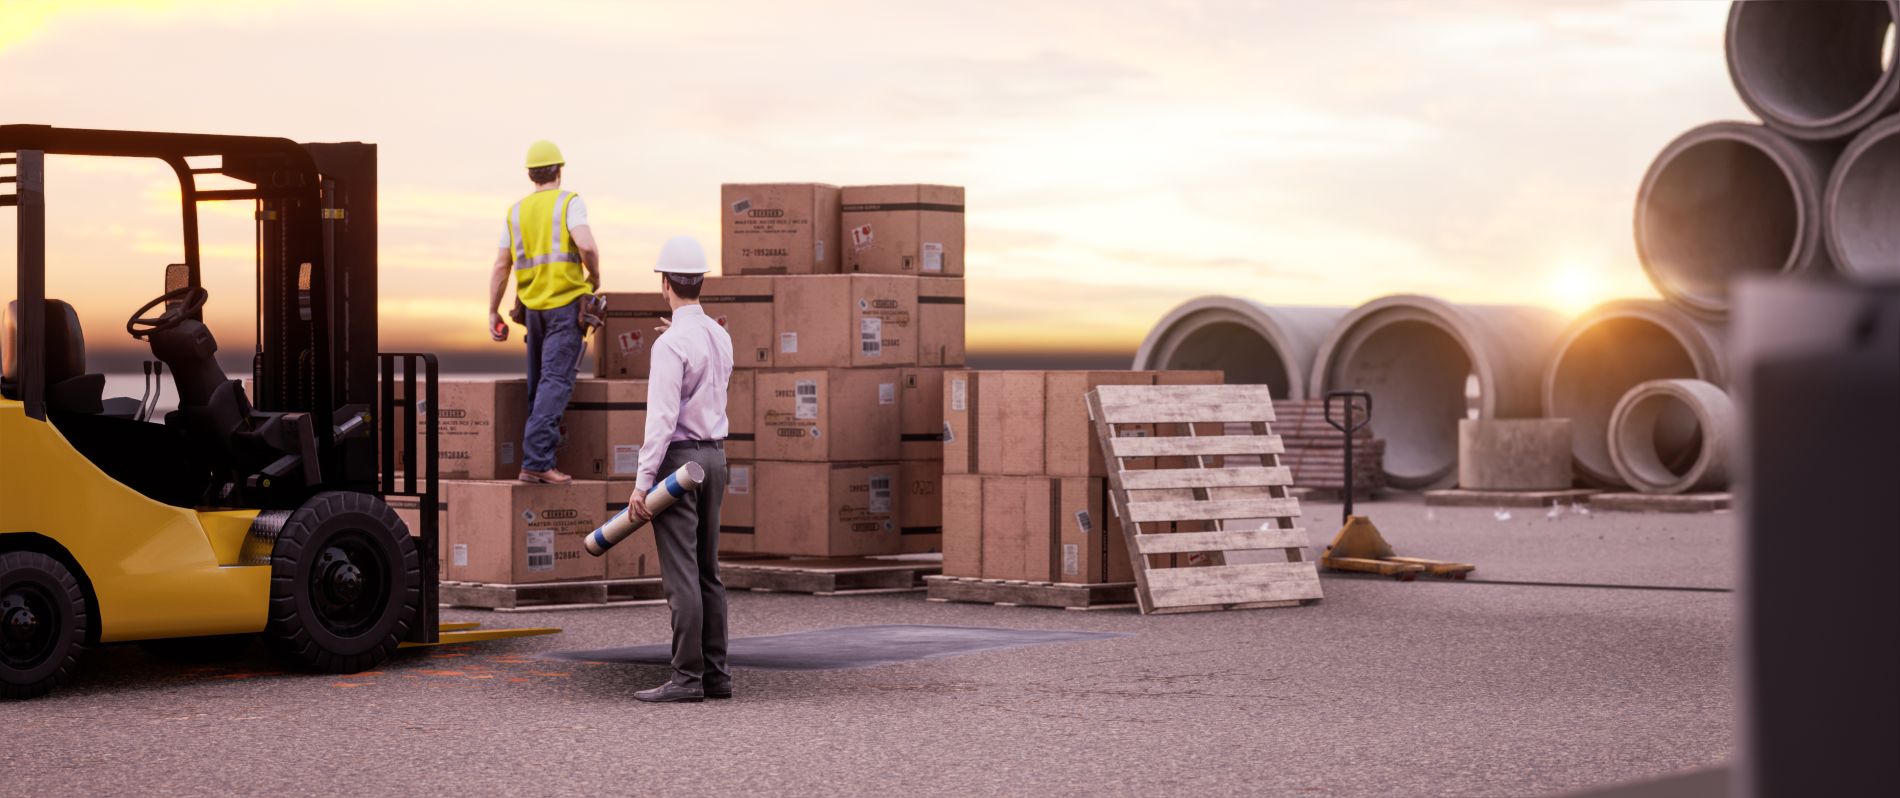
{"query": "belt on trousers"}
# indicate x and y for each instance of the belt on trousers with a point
(721, 445)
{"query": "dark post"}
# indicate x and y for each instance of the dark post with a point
(30, 171)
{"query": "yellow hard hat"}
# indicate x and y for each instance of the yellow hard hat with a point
(544, 153)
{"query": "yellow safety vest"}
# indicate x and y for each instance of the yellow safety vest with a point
(548, 270)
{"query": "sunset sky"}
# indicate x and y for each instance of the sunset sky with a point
(1120, 156)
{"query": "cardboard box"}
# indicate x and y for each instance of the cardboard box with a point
(920, 413)
(1008, 504)
(741, 416)
(959, 421)
(508, 532)
(779, 228)
(903, 229)
(1070, 448)
(827, 415)
(844, 320)
(639, 554)
(1008, 428)
(479, 427)
(940, 322)
(1043, 529)
(828, 509)
(409, 509)
(623, 344)
(742, 305)
(605, 422)
(737, 519)
(920, 521)
(962, 525)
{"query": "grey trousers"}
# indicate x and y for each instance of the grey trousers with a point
(688, 537)
(554, 343)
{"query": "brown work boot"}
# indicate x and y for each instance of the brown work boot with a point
(552, 476)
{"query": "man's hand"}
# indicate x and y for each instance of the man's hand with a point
(637, 502)
(497, 329)
(665, 322)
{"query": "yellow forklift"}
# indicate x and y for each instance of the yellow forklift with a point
(234, 516)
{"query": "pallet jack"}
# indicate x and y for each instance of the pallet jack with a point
(1359, 547)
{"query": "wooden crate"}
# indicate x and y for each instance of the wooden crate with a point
(830, 576)
(1222, 497)
(1015, 593)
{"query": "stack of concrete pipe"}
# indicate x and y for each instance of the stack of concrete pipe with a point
(1814, 190)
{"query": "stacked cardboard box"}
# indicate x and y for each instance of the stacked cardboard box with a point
(844, 361)
(1024, 491)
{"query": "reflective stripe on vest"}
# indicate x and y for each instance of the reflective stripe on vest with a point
(548, 270)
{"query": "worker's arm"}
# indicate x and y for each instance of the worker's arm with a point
(668, 370)
(497, 285)
(590, 253)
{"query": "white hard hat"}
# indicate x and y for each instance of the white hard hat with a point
(682, 255)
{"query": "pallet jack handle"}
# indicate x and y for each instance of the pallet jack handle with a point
(1346, 425)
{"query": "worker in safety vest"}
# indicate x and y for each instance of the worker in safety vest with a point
(548, 247)
(686, 422)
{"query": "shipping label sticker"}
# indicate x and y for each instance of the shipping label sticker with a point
(1082, 521)
(528, 515)
(720, 320)
(507, 452)
(887, 393)
(948, 436)
(933, 256)
(458, 555)
(871, 336)
(959, 398)
(816, 433)
(626, 458)
(861, 238)
(880, 494)
(805, 401)
(818, 250)
(540, 549)
(629, 342)
(764, 354)
(1071, 559)
(787, 343)
(739, 208)
(739, 480)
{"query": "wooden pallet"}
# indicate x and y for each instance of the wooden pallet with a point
(1649, 503)
(1458, 497)
(1015, 593)
(829, 576)
(592, 594)
(1153, 504)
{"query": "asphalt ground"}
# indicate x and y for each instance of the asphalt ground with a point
(1383, 688)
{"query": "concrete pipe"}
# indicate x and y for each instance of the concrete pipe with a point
(1418, 356)
(1725, 200)
(1815, 70)
(1863, 204)
(1612, 348)
(1254, 344)
(1638, 430)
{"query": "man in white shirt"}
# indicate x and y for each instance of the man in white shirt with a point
(686, 422)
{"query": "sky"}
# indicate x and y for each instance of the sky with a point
(1119, 156)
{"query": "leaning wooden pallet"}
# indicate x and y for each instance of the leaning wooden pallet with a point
(1208, 493)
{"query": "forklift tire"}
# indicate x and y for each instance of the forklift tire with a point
(43, 624)
(345, 581)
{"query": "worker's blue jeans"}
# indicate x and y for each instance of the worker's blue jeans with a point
(554, 344)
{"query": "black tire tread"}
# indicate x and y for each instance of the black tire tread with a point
(82, 619)
(287, 631)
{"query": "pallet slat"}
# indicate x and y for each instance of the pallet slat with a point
(1242, 540)
(1184, 413)
(1248, 574)
(1195, 510)
(1171, 478)
(1236, 592)
(1136, 395)
(1194, 447)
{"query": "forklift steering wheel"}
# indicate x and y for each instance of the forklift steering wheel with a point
(190, 301)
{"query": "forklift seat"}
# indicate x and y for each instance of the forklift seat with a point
(69, 389)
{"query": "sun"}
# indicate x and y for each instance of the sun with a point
(1574, 285)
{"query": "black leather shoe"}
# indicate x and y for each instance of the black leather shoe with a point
(671, 693)
(721, 692)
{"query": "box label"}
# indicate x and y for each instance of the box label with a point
(540, 547)
(933, 256)
(959, 400)
(626, 459)
(887, 393)
(1071, 559)
(739, 480)
(818, 250)
(861, 238)
(787, 342)
(507, 452)
(458, 555)
(948, 436)
(870, 336)
(739, 208)
(880, 494)
(805, 400)
(1082, 521)
(629, 342)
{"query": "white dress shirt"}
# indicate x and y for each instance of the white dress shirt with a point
(686, 388)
